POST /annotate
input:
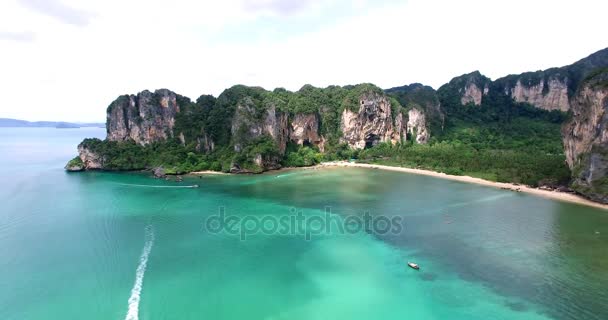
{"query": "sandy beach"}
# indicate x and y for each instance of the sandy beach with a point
(198, 173)
(556, 195)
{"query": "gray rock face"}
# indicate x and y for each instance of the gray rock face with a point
(159, 172)
(423, 98)
(90, 160)
(369, 126)
(74, 168)
(245, 125)
(144, 118)
(250, 124)
(473, 94)
(585, 139)
(305, 131)
(275, 125)
(416, 126)
(400, 129)
(374, 123)
(204, 143)
(151, 117)
(547, 95)
(472, 87)
(554, 88)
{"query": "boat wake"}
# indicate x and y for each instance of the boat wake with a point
(133, 312)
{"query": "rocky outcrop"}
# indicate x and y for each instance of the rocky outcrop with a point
(586, 138)
(374, 123)
(90, 159)
(256, 125)
(249, 124)
(370, 125)
(400, 129)
(473, 94)
(469, 88)
(144, 118)
(552, 89)
(424, 99)
(245, 124)
(159, 172)
(472, 87)
(304, 131)
(417, 127)
(547, 95)
(275, 125)
(204, 143)
(74, 165)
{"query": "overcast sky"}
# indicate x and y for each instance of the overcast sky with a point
(68, 59)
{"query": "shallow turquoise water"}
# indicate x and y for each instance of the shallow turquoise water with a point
(71, 245)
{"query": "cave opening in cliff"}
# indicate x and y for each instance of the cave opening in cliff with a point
(371, 140)
(307, 143)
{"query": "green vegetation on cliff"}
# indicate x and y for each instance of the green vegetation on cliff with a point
(76, 162)
(572, 74)
(206, 135)
(470, 126)
(499, 140)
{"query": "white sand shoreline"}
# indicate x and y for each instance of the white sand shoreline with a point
(556, 195)
(198, 173)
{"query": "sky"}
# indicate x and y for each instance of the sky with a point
(69, 59)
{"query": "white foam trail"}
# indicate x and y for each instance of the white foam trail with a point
(486, 199)
(133, 312)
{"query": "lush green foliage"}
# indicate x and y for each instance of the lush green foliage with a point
(598, 79)
(457, 158)
(76, 162)
(302, 157)
(212, 118)
(423, 98)
(504, 125)
(500, 140)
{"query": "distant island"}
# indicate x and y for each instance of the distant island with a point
(15, 123)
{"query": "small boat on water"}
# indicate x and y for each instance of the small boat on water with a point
(413, 265)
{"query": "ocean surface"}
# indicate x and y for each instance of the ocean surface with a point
(125, 246)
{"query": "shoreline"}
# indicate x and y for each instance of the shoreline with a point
(200, 173)
(555, 195)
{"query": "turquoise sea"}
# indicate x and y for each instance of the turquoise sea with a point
(125, 246)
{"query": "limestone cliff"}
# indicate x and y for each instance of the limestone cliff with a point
(551, 94)
(304, 130)
(586, 138)
(417, 127)
(143, 118)
(250, 124)
(473, 94)
(90, 159)
(370, 125)
(425, 100)
(470, 88)
(551, 89)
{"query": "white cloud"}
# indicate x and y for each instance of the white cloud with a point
(20, 36)
(58, 10)
(72, 72)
